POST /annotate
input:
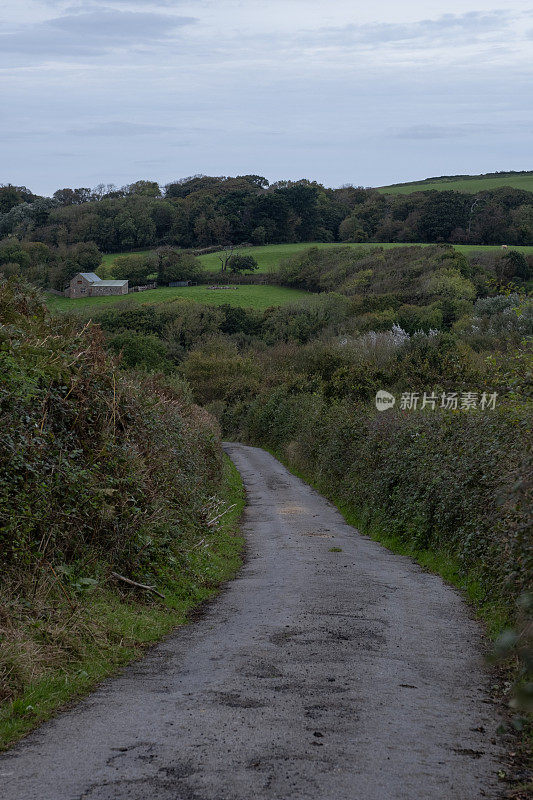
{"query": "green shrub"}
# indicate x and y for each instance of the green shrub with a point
(92, 460)
(140, 351)
(443, 480)
(136, 268)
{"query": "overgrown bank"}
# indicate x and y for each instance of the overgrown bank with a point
(105, 475)
(449, 489)
(450, 476)
(442, 481)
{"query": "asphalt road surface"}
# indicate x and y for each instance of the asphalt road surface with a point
(315, 674)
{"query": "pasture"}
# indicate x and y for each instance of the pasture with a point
(470, 184)
(269, 256)
(108, 258)
(259, 297)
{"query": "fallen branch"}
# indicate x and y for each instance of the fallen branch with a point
(212, 521)
(138, 585)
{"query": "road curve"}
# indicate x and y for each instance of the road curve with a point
(317, 674)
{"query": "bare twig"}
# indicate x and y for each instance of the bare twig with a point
(215, 519)
(198, 544)
(138, 585)
(79, 355)
(80, 334)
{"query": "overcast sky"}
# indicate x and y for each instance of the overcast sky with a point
(334, 90)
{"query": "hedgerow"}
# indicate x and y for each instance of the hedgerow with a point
(448, 481)
(91, 457)
(103, 472)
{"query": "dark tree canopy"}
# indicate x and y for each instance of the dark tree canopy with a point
(175, 266)
(242, 263)
(211, 211)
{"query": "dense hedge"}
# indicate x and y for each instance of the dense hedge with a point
(95, 463)
(449, 481)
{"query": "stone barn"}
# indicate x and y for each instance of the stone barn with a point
(87, 284)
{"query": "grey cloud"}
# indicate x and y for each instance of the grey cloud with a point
(472, 23)
(444, 131)
(92, 33)
(185, 101)
(130, 25)
(18, 135)
(113, 129)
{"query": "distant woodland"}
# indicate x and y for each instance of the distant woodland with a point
(203, 211)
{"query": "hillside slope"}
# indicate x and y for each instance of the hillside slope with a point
(465, 183)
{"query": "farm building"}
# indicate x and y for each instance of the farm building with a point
(87, 284)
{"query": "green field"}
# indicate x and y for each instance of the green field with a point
(245, 296)
(108, 258)
(471, 184)
(269, 256)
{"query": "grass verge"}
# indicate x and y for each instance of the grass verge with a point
(117, 629)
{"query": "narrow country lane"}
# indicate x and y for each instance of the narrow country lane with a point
(347, 675)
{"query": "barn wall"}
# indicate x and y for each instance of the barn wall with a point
(79, 287)
(99, 291)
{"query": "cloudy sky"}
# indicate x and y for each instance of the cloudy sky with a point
(342, 91)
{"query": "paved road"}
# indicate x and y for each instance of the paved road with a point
(347, 675)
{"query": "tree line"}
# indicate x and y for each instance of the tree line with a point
(206, 211)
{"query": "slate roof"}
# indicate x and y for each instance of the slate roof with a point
(92, 278)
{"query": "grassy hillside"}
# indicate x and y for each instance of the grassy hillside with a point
(108, 258)
(242, 296)
(269, 256)
(465, 183)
